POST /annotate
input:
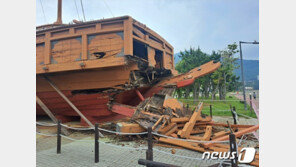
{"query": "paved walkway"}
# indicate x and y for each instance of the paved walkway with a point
(241, 97)
(81, 153)
(78, 153)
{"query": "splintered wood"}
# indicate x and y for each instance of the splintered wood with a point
(168, 117)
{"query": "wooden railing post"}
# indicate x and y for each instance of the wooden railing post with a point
(211, 112)
(233, 148)
(251, 105)
(59, 137)
(96, 143)
(149, 152)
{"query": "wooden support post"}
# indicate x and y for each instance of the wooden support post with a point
(51, 116)
(211, 112)
(234, 115)
(96, 143)
(140, 95)
(70, 103)
(233, 148)
(59, 137)
(149, 152)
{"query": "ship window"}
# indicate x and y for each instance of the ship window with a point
(159, 59)
(140, 50)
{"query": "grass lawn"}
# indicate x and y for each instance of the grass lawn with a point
(220, 108)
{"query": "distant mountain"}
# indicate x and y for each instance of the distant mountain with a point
(251, 73)
(251, 70)
(176, 58)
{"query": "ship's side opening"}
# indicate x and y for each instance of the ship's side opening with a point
(158, 59)
(140, 50)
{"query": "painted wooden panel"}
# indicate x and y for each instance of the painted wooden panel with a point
(111, 44)
(85, 29)
(66, 50)
(151, 57)
(112, 25)
(88, 79)
(168, 61)
(59, 33)
(40, 54)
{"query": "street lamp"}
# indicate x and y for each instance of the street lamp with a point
(242, 68)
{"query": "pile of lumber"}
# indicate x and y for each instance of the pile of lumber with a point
(168, 117)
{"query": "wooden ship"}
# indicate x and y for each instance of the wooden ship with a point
(101, 70)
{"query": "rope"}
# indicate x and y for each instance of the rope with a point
(43, 11)
(43, 134)
(77, 9)
(102, 129)
(76, 128)
(82, 9)
(122, 133)
(108, 7)
(45, 124)
(196, 141)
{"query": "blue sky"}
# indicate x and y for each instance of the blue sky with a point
(209, 24)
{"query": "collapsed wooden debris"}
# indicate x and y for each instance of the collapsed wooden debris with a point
(183, 127)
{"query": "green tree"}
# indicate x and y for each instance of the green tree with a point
(190, 59)
(225, 77)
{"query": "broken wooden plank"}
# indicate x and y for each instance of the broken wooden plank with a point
(157, 122)
(220, 134)
(125, 127)
(174, 135)
(167, 128)
(226, 125)
(181, 119)
(185, 132)
(171, 130)
(185, 144)
(205, 137)
(237, 134)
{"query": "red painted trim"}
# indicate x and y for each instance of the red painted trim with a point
(123, 110)
(185, 83)
(140, 95)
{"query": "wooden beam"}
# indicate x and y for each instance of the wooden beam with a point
(167, 128)
(84, 47)
(70, 103)
(171, 130)
(226, 125)
(49, 113)
(126, 127)
(205, 137)
(128, 37)
(185, 132)
(157, 122)
(237, 134)
(220, 134)
(140, 95)
(185, 144)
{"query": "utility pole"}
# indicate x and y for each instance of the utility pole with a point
(242, 68)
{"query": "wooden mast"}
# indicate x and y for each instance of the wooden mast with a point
(59, 16)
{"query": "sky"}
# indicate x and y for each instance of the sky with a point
(208, 24)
